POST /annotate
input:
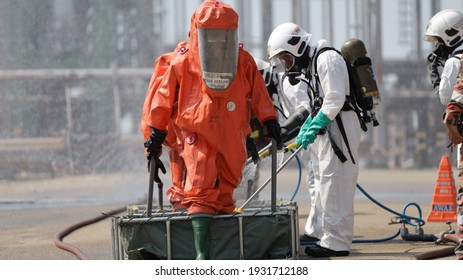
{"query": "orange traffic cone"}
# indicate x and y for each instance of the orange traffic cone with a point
(444, 205)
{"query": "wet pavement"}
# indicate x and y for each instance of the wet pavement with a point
(35, 211)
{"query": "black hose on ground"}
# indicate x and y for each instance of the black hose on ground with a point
(58, 239)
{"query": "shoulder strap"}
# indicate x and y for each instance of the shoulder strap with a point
(344, 136)
(317, 100)
(336, 149)
(315, 65)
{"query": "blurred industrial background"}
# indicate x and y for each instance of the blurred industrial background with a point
(74, 74)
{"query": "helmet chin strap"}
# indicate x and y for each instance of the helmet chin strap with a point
(304, 61)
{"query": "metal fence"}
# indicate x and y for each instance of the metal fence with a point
(68, 121)
(71, 120)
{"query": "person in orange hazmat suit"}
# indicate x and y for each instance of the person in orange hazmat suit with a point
(208, 94)
(177, 166)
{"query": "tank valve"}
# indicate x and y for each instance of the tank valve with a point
(441, 239)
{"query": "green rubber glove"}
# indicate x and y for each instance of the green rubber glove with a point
(305, 126)
(306, 137)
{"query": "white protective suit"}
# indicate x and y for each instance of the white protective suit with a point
(448, 81)
(291, 99)
(458, 97)
(331, 218)
(449, 76)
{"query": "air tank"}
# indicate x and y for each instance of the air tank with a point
(355, 52)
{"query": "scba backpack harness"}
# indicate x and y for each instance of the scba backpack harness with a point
(363, 96)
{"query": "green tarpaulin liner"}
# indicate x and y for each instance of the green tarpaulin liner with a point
(256, 234)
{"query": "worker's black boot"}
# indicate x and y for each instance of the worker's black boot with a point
(202, 235)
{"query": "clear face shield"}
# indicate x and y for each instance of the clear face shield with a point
(218, 53)
(284, 62)
(287, 61)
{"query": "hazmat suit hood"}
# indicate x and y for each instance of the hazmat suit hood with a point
(214, 44)
(320, 44)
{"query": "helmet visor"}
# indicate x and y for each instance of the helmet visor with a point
(430, 38)
(287, 60)
(218, 52)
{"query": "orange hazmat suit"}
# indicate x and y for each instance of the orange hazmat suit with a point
(211, 126)
(177, 167)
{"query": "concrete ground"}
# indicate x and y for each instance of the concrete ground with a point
(34, 211)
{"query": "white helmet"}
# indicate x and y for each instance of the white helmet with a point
(288, 37)
(265, 70)
(447, 25)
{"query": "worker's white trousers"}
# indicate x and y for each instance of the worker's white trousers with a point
(331, 218)
(304, 157)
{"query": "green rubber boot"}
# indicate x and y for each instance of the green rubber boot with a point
(202, 234)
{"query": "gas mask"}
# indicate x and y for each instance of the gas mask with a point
(293, 66)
